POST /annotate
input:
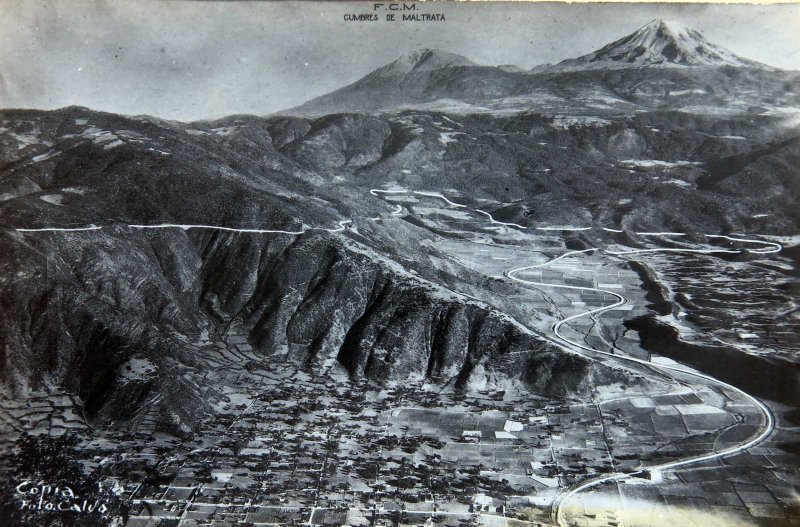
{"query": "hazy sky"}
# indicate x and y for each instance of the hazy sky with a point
(190, 60)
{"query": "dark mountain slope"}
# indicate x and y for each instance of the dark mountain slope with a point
(93, 301)
(80, 309)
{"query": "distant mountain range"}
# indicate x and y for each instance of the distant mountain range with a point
(645, 69)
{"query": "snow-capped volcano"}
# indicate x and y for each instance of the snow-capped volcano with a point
(661, 44)
(660, 60)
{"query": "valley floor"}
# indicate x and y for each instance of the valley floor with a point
(285, 446)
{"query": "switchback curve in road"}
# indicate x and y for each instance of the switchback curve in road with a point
(556, 510)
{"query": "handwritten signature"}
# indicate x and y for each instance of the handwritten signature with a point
(44, 496)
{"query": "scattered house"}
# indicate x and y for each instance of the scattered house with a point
(512, 426)
(654, 475)
(547, 482)
(502, 434)
(481, 502)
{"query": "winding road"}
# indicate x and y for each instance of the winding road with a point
(512, 274)
(769, 422)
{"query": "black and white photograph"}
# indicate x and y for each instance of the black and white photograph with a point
(441, 264)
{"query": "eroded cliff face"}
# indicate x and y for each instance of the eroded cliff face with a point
(86, 305)
(83, 310)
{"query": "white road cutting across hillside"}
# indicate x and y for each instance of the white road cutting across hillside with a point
(185, 227)
(769, 422)
(558, 502)
(62, 229)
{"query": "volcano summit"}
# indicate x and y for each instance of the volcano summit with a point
(659, 44)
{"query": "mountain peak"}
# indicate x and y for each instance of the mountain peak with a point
(658, 43)
(424, 59)
(659, 24)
